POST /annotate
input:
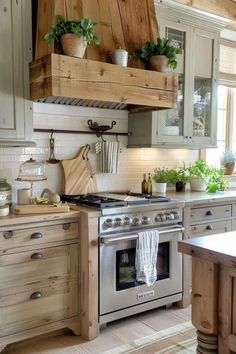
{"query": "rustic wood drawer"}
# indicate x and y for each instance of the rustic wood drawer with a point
(210, 228)
(209, 213)
(43, 305)
(234, 209)
(38, 236)
(34, 266)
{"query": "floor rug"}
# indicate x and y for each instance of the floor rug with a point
(179, 339)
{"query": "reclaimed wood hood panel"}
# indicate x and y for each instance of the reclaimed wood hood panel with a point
(62, 79)
(93, 82)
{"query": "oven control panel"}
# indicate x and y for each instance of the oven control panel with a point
(125, 222)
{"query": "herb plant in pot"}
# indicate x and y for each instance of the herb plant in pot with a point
(180, 177)
(227, 160)
(159, 54)
(216, 181)
(161, 176)
(199, 173)
(72, 35)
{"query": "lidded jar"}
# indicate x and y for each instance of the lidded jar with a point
(5, 193)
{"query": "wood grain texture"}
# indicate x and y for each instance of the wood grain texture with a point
(58, 75)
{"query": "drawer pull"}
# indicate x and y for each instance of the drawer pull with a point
(37, 256)
(209, 213)
(209, 227)
(7, 234)
(36, 295)
(66, 226)
(36, 235)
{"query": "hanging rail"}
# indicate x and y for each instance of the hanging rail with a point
(65, 131)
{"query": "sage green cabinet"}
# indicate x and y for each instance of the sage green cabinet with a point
(15, 55)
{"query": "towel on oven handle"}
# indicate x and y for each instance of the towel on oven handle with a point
(146, 256)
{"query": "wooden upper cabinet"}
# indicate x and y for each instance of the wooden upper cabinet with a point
(126, 24)
(15, 54)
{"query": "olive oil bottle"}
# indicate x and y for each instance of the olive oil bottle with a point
(149, 184)
(144, 184)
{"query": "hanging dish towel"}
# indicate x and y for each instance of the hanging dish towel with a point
(110, 156)
(146, 256)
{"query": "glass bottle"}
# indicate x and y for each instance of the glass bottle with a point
(5, 193)
(144, 184)
(149, 184)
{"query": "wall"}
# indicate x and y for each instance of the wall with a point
(133, 162)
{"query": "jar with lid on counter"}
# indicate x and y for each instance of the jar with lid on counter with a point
(5, 197)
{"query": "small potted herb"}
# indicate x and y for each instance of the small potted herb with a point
(159, 54)
(216, 181)
(73, 35)
(161, 176)
(180, 177)
(227, 161)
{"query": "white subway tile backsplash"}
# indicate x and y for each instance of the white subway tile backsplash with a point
(133, 162)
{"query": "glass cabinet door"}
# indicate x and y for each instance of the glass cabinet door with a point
(170, 123)
(204, 86)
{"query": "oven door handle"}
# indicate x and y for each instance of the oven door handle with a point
(110, 240)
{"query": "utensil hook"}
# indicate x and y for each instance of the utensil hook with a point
(102, 138)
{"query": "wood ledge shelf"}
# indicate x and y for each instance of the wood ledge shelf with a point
(67, 80)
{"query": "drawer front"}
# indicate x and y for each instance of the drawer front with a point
(210, 228)
(234, 209)
(29, 267)
(210, 213)
(43, 305)
(38, 236)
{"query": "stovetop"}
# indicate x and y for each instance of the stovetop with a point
(109, 200)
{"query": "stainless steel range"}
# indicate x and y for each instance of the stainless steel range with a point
(122, 216)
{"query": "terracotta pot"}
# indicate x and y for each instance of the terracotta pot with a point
(72, 45)
(229, 167)
(158, 63)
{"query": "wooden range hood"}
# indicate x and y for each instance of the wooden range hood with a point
(92, 82)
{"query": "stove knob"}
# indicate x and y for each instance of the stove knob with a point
(136, 222)
(146, 220)
(167, 215)
(109, 223)
(159, 217)
(127, 221)
(119, 222)
(172, 216)
(176, 215)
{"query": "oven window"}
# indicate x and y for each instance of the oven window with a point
(125, 266)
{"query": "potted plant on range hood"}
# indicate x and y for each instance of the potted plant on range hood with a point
(159, 54)
(73, 35)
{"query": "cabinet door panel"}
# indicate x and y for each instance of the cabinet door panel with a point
(210, 228)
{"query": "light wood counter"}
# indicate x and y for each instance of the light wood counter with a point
(213, 291)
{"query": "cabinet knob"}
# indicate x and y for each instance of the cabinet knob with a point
(36, 295)
(36, 235)
(209, 213)
(37, 255)
(209, 227)
(7, 234)
(66, 226)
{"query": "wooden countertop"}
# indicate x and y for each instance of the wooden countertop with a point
(219, 248)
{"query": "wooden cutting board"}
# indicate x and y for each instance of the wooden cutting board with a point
(78, 174)
(41, 209)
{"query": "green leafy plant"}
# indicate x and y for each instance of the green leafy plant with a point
(180, 174)
(162, 46)
(216, 181)
(199, 169)
(228, 156)
(82, 27)
(162, 175)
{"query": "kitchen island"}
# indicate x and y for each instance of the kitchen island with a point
(213, 291)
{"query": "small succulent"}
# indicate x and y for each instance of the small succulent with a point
(228, 156)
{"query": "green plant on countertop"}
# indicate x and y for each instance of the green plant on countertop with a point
(199, 169)
(180, 174)
(162, 46)
(216, 181)
(162, 175)
(81, 27)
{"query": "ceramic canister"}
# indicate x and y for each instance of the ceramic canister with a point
(120, 57)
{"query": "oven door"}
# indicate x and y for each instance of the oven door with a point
(118, 286)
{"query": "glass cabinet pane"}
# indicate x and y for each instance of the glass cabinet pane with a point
(202, 107)
(173, 119)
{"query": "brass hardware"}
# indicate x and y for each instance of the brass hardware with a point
(7, 234)
(36, 235)
(37, 255)
(36, 295)
(66, 226)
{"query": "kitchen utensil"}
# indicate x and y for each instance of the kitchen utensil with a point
(78, 173)
(41, 209)
(53, 197)
(52, 158)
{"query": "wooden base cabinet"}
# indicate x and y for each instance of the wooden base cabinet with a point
(39, 286)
